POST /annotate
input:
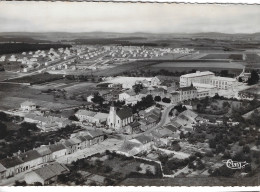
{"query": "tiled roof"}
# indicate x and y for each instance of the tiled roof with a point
(170, 127)
(143, 139)
(58, 168)
(45, 173)
(96, 133)
(135, 124)
(11, 162)
(68, 143)
(56, 147)
(187, 88)
(2, 168)
(124, 113)
(43, 150)
(30, 155)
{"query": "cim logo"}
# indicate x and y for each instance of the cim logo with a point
(235, 164)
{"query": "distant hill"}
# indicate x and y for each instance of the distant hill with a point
(63, 36)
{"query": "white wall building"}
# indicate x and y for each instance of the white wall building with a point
(207, 77)
(198, 77)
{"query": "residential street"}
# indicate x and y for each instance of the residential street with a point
(108, 144)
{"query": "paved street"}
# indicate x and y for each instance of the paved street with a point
(163, 121)
(108, 144)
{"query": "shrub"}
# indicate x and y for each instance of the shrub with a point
(166, 100)
(157, 98)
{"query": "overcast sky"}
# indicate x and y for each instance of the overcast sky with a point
(128, 17)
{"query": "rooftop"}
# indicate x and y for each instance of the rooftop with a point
(198, 73)
(30, 155)
(43, 150)
(223, 78)
(124, 113)
(56, 147)
(143, 139)
(187, 88)
(11, 162)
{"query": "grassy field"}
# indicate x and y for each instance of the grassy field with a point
(11, 96)
(223, 56)
(36, 79)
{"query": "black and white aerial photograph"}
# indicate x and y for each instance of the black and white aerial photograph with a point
(129, 94)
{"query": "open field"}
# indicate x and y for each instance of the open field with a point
(235, 67)
(223, 56)
(11, 96)
(36, 79)
(6, 75)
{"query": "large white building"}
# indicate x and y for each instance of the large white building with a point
(207, 77)
(198, 77)
(223, 82)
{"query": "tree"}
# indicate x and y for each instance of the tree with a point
(73, 118)
(138, 88)
(97, 99)
(246, 149)
(254, 78)
(4, 117)
(3, 130)
(107, 169)
(166, 100)
(157, 98)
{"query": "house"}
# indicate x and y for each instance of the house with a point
(167, 81)
(85, 115)
(125, 95)
(175, 97)
(96, 137)
(46, 123)
(77, 143)
(187, 93)
(119, 118)
(10, 166)
(57, 150)
(28, 106)
(45, 153)
(70, 146)
(85, 141)
(46, 175)
(2, 171)
(146, 142)
(134, 127)
(92, 117)
(30, 159)
(187, 119)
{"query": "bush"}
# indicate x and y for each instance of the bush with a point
(157, 98)
(166, 100)
(3, 130)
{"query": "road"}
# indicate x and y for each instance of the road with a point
(162, 122)
(108, 144)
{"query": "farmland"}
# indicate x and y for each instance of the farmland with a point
(224, 56)
(36, 79)
(11, 96)
(200, 65)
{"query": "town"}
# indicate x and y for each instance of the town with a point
(64, 123)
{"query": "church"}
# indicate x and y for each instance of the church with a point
(119, 118)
